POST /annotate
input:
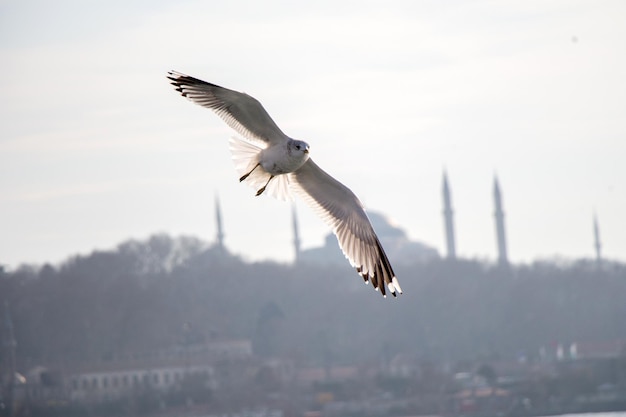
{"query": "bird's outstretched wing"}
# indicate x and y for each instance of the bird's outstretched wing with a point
(342, 210)
(240, 111)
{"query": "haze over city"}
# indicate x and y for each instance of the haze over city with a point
(96, 147)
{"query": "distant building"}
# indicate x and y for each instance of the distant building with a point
(114, 384)
(597, 244)
(499, 217)
(393, 239)
(219, 238)
(161, 370)
(296, 233)
(447, 218)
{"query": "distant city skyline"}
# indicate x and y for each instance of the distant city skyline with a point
(331, 253)
(96, 148)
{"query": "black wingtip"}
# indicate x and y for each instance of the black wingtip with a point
(173, 76)
(363, 275)
(179, 79)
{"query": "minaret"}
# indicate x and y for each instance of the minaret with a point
(499, 215)
(597, 244)
(219, 238)
(296, 233)
(447, 217)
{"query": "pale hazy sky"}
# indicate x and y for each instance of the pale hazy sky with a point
(96, 147)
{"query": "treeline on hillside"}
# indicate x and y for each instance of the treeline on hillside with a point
(164, 292)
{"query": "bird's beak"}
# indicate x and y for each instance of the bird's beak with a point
(306, 150)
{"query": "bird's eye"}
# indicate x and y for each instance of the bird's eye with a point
(298, 147)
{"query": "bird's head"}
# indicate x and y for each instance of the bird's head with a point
(300, 146)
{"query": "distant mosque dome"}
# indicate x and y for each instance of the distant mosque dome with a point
(384, 228)
(397, 245)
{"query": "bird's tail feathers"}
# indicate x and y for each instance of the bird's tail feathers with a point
(245, 156)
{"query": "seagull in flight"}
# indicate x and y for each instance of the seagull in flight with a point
(273, 163)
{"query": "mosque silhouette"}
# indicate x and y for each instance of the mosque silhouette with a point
(394, 239)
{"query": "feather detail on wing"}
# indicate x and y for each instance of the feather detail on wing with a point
(246, 157)
(240, 111)
(344, 213)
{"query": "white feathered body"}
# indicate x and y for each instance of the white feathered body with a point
(271, 160)
(281, 159)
